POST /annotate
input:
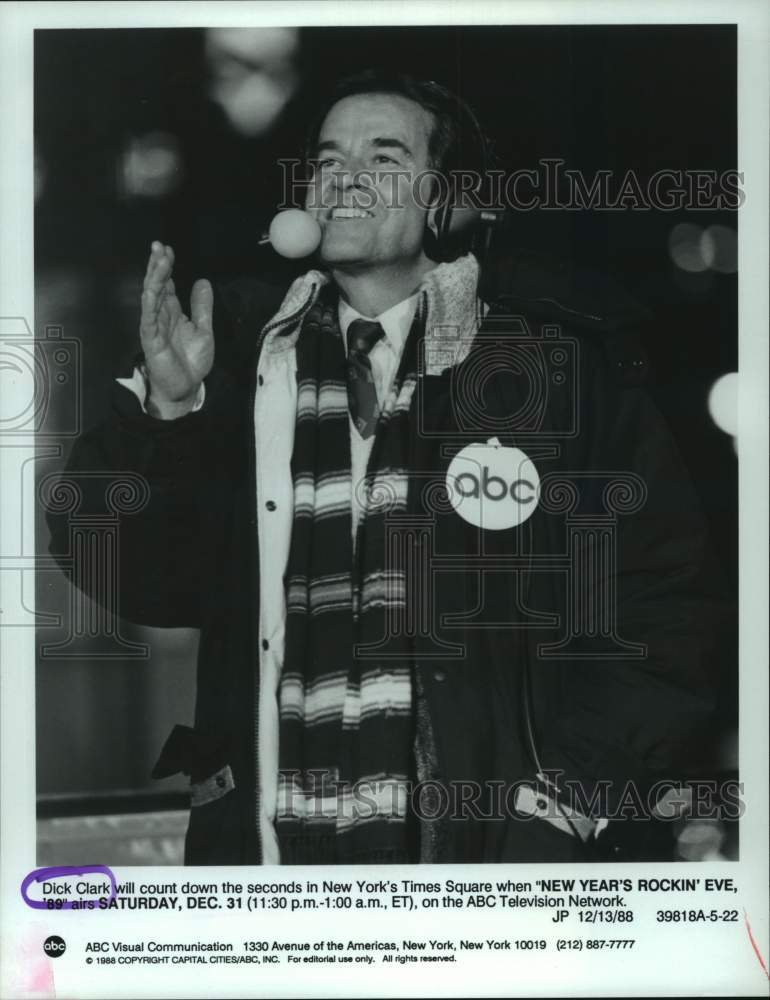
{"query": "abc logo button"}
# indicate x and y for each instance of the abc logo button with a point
(493, 487)
(54, 946)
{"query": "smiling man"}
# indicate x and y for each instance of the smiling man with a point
(373, 235)
(385, 676)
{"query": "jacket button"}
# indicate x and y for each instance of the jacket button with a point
(271, 505)
(265, 644)
(261, 379)
(220, 782)
(439, 675)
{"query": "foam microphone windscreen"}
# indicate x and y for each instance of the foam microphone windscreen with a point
(294, 233)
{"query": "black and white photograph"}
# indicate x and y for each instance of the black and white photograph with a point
(381, 480)
(477, 564)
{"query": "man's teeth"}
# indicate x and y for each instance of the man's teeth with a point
(350, 213)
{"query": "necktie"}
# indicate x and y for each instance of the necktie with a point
(362, 394)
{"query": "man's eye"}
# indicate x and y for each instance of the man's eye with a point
(325, 164)
(384, 158)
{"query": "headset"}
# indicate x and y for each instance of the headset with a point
(454, 221)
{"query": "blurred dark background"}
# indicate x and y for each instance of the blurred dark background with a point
(175, 135)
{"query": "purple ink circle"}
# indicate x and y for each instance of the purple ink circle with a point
(47, 874)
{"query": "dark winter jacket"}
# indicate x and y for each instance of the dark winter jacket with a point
(517, 676)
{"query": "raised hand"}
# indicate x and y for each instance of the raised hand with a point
(178, 351)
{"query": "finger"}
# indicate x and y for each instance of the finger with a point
(170, 311)
(172, 304)
(159, 267)
(161, 301)
(152, 260)
(171, 299)
(151, 302)
(148, 322)
(202, 304)
(153, 296)
(154, 300)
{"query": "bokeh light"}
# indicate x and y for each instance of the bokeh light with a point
(695, 250)
(723, 403)
(700, 840)
(253, 74)
(686, 248)
(719, 246)
(151, 166)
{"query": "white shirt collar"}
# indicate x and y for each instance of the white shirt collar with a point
(396, 321)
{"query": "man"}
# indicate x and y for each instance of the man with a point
(365, 631)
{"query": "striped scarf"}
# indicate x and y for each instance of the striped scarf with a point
(347, 724)
(346, 699)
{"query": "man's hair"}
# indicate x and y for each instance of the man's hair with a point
(456, 140)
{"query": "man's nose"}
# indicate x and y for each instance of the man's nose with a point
(357, 182)
(354, 175)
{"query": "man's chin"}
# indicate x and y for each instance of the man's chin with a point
(343, 262)
(338, 252)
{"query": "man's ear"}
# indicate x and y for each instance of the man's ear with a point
(436, 204)
(431, 220)
(434, 223)
(431, 239)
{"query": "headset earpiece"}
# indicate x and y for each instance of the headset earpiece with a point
(451, 221)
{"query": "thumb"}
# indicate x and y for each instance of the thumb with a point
(202, 304)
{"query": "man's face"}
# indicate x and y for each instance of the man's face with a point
(369, 148)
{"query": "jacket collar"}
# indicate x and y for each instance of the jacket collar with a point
(448, 307)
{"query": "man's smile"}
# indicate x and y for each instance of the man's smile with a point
(338, 214)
